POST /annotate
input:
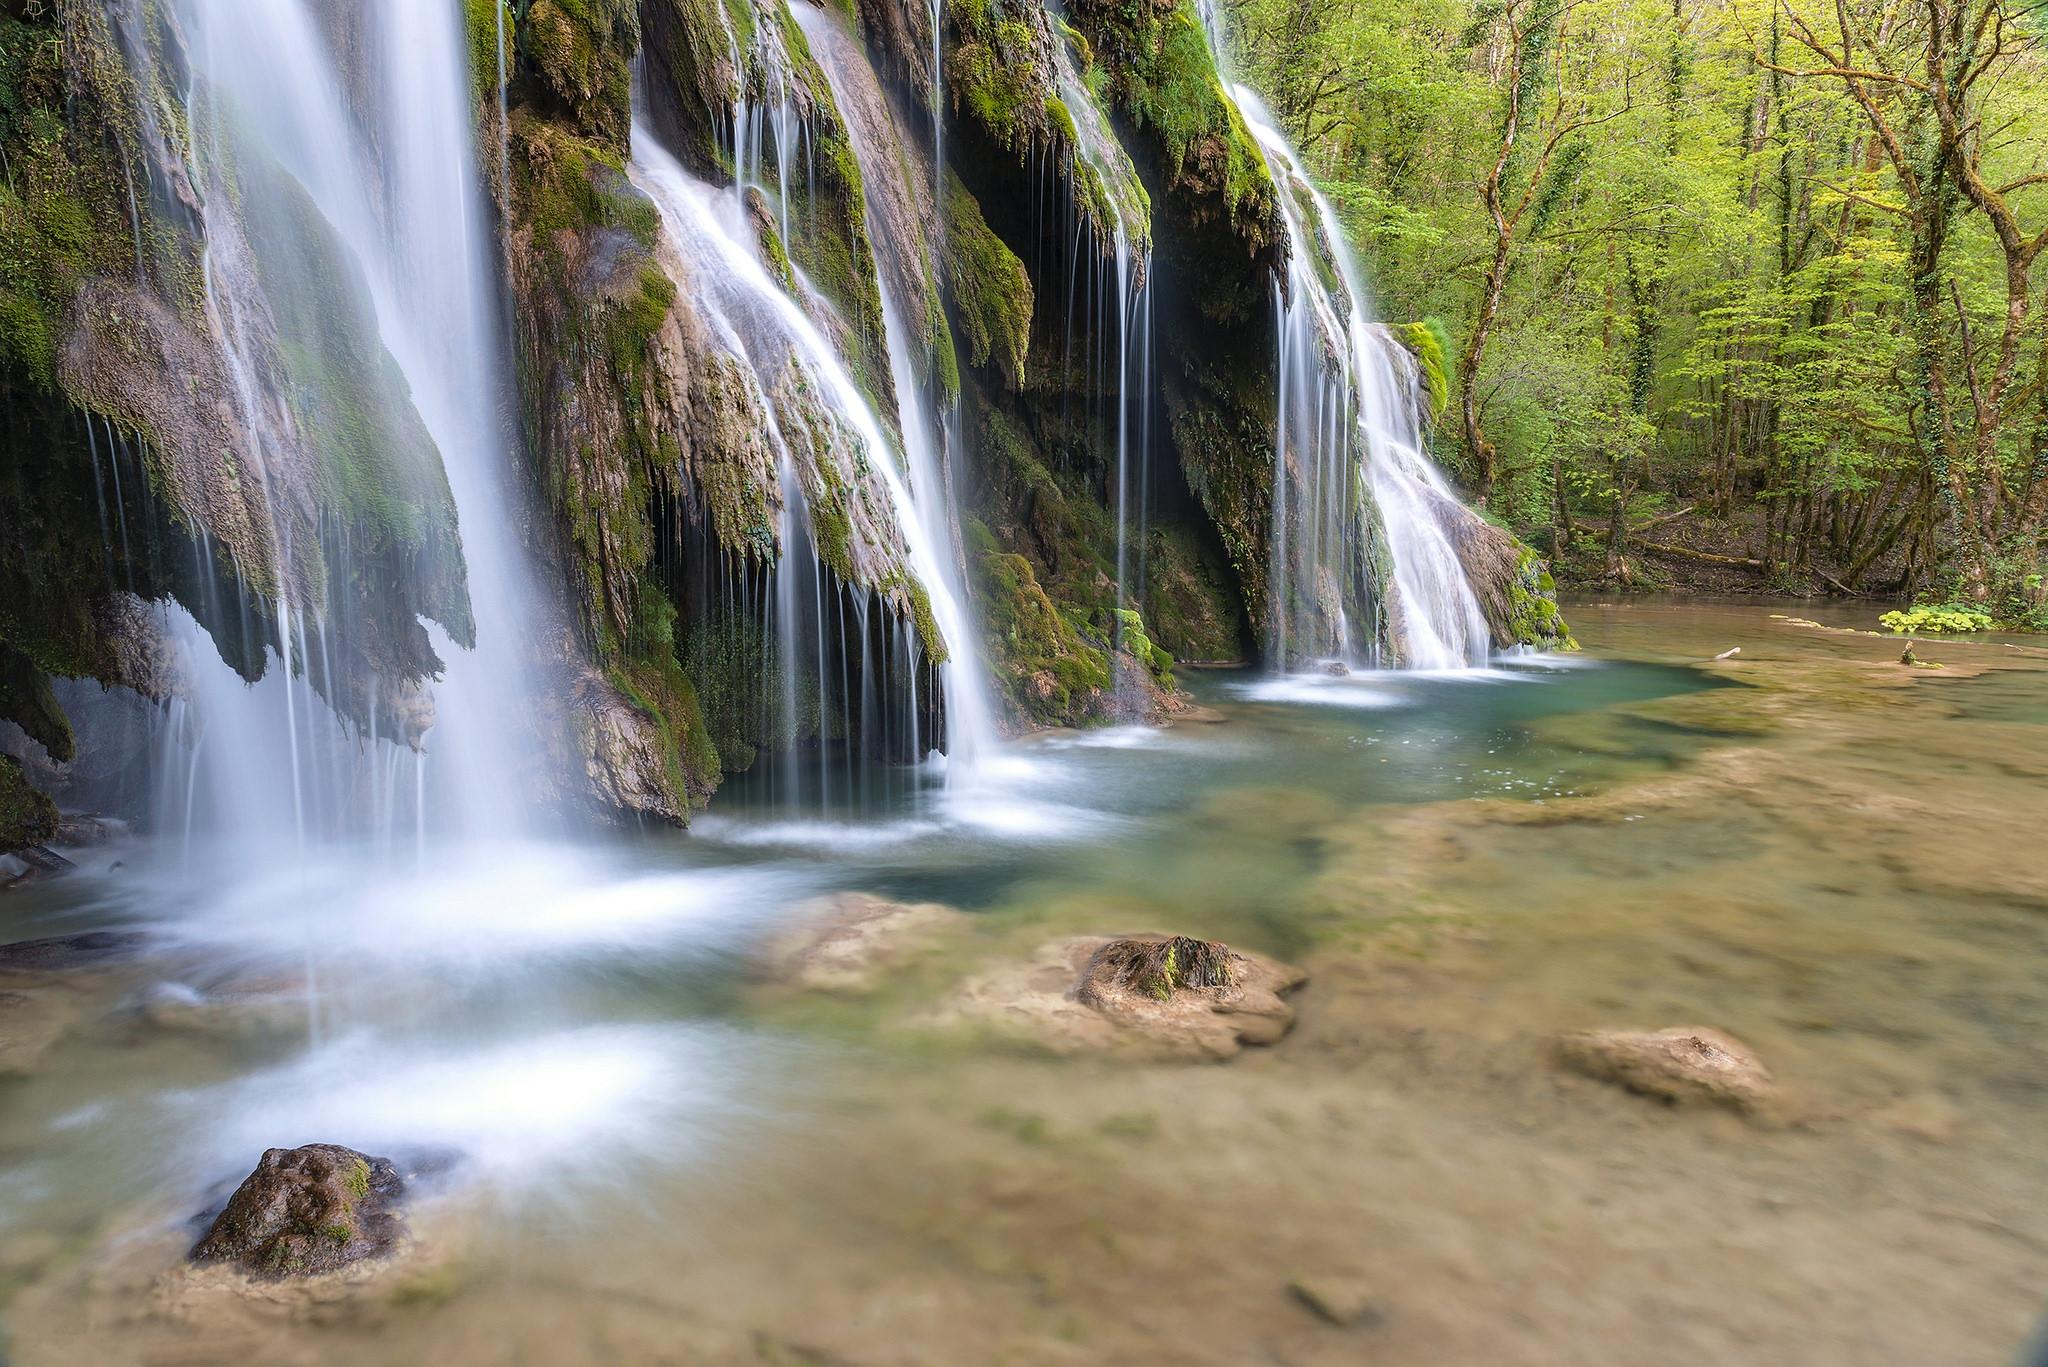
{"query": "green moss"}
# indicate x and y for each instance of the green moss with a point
(998, 76)
(1431, 346)
(1163, 75)
(358, 1179)
(582, 52)
(27, 816)
(653, 676)
(936, 649)
(1533, 615)
(489, 22)
(64, 208)
(991, 290)
(1062, 120)
(1132, 637)
(1046, 670)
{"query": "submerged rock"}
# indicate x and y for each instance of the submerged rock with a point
(307, 1211)
(1684, 1065)
(1345, 1302)
(846, 942)
(1153, 996)
(93, 949)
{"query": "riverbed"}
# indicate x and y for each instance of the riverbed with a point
(644, 1147)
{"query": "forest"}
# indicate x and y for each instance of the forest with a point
(1742, 294)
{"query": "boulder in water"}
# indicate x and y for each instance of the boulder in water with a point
(1155, 996)
(845, 942)
(307, 1211)
(1684, 1065)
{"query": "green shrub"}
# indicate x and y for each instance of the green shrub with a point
(1926, 619)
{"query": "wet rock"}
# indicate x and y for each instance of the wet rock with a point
(59, 953)
(82, 829)
(845, 943)
(1155, 996)
(32, 864)
(307, 1211)
(1684, 1065)
(1345, 1302)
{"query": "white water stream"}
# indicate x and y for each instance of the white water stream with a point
(1351, 472)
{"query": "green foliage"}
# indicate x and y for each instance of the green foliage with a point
(1711, 292)
(1928, 619)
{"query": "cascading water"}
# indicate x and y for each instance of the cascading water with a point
(896, 228)
(1356, 529)
(797, 376)
(349, 258)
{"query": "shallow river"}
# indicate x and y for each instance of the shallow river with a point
(640, 1146)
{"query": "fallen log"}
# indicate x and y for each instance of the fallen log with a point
(1688, 553)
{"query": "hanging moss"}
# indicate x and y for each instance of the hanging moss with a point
(582, 52)
(488, 20)
(997, 72)
(1163, 75)
(991, 290)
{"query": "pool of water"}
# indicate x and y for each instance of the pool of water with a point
(651, 1149)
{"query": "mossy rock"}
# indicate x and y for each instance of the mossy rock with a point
(306, 1212)
(990, 289)
(27, 816)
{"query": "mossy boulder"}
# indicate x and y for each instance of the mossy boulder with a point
(1155, 997)
(1513, 584)
(307, 1211)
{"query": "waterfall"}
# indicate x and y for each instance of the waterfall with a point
(797, 376)
(911, 244)
(1355, 526)
(349, 258)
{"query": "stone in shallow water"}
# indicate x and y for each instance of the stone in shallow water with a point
(93, 949)
(1343, 1301)
(307, 1211)
(1153, 996)
(1686, 1064)
(847, 942)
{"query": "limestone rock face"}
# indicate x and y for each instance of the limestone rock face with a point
(307, 1211)
(1685, 1065)
(1149, 996)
